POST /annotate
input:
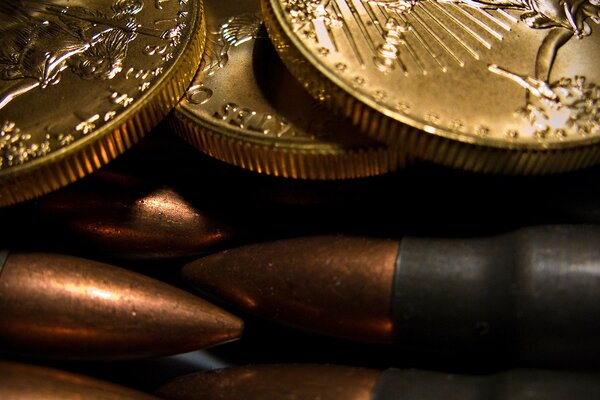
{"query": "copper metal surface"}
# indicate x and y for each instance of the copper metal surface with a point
(133, 217)
(28, 382)
(81, 81)
(281, 382)
(276, 280)
(329, 382)
(66, 307)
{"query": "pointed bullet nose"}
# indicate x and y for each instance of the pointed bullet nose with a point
(340, 286)
(129, 216)
(275, 382)
(196, 321)
(67, 307)
(27, 382)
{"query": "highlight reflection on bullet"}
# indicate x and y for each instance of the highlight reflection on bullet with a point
(531, 296)
(334, 285)
(133, 217)
(67, 307)
(27, 382)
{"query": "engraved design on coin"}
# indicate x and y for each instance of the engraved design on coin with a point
(406, 35)
(43, 41)
(316, 18)
(39, 42)
(236, 31)
(561, 108)
(537, 14)
(409, 38)
(569, 105)
(265, 115)
(16, 146)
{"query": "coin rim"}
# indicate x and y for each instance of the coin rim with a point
(70, 163)
(412, 138)
(287, 157)
(289, 160)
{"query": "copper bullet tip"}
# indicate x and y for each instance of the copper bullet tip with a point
(27, 382)
(275, 382)
(340, 286)
(66, 307)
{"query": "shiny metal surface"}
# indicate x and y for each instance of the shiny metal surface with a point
(528, 297)
(29, 382)
(82, 81)
(330, 382)
(71, 308)
(341, 286)
(244, 107)
(497, 86)
(128, 216)
(285, 382)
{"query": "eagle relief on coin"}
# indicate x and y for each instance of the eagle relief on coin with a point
(81, 81)
(510, 75)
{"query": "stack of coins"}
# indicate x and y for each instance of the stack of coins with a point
(394, 187)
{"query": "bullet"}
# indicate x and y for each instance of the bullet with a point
(531, 296)
(326, 382)
(57, 306)
(27, 382)
(129, 216)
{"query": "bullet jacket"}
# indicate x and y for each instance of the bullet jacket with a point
(129, 216)
(325, 382)
(71, 308)
(529, 297)
(29, 382)
(280, 382)
(339, 286)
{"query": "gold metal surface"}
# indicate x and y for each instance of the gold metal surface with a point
(71, 308)
(276, 280)
(29, 382)
(281, 382)
(497, 86)
(244, 108)
(82, 81)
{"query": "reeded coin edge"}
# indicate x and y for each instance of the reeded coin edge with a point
(423, 141)
(69, 164)
(309, 161)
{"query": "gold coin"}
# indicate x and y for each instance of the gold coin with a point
(487, 85)
(244, 108)
(82, 81)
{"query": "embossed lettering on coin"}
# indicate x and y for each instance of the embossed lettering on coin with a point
(244, 108)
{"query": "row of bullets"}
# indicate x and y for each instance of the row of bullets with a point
(426, 283)
(481, 301)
